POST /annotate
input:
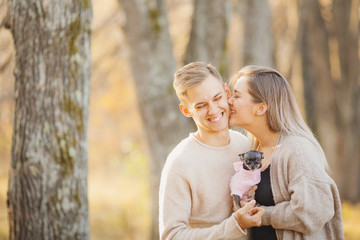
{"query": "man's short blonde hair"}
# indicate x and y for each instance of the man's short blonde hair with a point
(192, 75)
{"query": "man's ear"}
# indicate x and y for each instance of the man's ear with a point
(184, 110)
(227, 90)
(261, 109)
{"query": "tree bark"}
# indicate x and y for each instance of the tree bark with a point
(153, 65)
(346, 32)
(258, 39)
(331, 84)
(209, 31)
(47, 195)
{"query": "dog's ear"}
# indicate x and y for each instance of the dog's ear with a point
(242, 156)
(262, 155)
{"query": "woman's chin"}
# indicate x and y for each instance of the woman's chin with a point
(232, 121)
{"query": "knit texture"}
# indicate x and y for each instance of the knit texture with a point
(195, 200)
(243, 180)
(307, 201)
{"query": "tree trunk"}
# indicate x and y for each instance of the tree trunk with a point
(47, 195)
(315, 64)
(210, 26)
(153, 66)
(331, 84)
(346, 32)
(258, 39)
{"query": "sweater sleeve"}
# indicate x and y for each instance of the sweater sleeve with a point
(311, 202)
(175, 209)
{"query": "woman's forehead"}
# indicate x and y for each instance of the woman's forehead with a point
(241, 83)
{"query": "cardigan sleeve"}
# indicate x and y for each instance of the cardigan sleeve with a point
(175, 209)
(310, 203)
(310, 207)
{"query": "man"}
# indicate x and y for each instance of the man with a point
(195, 201)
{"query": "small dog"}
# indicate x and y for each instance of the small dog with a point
(247, 176)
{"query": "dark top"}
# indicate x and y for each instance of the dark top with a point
(264, 196)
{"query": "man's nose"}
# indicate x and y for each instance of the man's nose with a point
(212, 108)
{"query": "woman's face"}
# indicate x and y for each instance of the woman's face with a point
(243, 109)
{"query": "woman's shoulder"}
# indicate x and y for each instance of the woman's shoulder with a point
(295, 141)
(298, 145)
(300, 155)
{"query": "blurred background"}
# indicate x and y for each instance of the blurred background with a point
(138, 45)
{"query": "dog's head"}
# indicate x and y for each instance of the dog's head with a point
(251, 160)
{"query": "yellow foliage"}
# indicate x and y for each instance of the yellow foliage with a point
(119, 198)
(4, 226)
(351, 220)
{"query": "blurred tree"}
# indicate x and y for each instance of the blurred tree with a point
(153, 65)
(258, 39)
(47, 195)
(329, 34)
(209, 31)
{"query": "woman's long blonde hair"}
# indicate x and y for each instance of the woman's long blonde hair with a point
(283, 115)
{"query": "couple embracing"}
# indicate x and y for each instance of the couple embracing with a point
(296, 198)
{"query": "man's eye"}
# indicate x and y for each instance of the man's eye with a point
(218, 98)
(200, 107)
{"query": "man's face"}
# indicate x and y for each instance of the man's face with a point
(207, 105)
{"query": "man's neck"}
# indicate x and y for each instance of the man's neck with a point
(214, 139)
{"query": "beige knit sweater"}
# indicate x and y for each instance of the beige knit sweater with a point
(195, 201)
(307, 202)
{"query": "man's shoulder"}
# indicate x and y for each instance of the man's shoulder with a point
(182, 148)
(238, 137)
(183, 144)
(179, 156)
(236, 133)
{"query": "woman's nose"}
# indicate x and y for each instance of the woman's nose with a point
(230, 100)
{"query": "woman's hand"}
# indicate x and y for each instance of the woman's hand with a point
(248, 215)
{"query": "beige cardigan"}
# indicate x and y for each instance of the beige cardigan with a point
(307, 202)
(195, 200)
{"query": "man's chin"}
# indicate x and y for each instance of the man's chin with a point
(221, 127)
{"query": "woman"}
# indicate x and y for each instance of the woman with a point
(300, 199)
